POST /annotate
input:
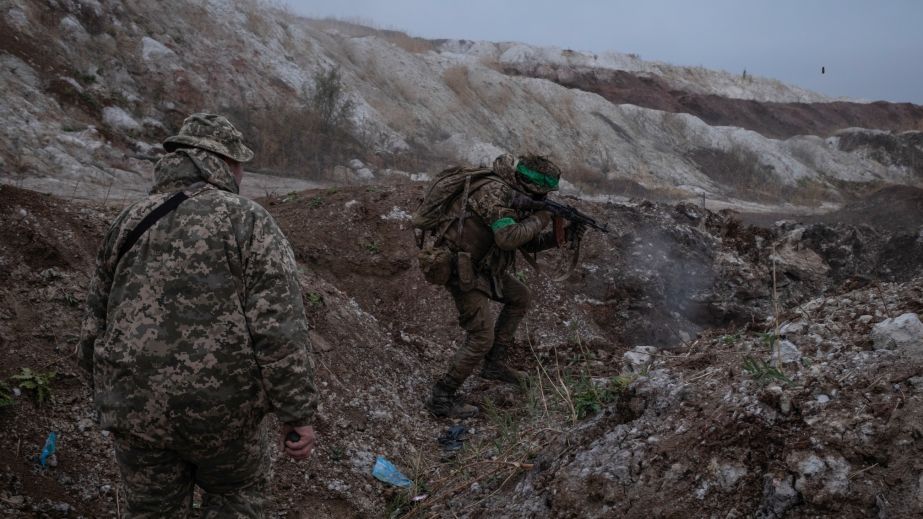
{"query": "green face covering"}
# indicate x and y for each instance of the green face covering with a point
(539, 179)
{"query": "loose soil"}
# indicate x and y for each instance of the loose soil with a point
(694, 285)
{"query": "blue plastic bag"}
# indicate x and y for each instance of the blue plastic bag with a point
(48, 450)
(385, 471)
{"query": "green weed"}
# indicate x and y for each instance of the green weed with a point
(70, 299)
(730, 339)
(6, 395)
(315, 299)
(40, 383)
(589, 398)
(769, 339)
(373, 247)
(762, 372)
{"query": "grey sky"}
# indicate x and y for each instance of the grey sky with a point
(871, 49)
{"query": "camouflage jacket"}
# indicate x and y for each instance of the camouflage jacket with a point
(199, 330)
(493, 232)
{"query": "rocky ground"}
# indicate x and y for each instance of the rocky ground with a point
(652, 368)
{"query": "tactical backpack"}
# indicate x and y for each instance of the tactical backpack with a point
(432, 218)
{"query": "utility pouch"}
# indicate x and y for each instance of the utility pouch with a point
(436, 264)
(467, 277)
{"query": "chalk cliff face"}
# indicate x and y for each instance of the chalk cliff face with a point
(91, 88)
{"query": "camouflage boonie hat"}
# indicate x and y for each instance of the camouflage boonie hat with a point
(537, 174)
(213, 133)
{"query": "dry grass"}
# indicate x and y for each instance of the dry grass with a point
(561, 391)
(361, 27)
(456, 78)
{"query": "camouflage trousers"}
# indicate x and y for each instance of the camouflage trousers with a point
(481, 333)
(160, 482)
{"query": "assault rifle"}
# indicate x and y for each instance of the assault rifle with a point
(572, 215)
(564, 211)
(579, 222)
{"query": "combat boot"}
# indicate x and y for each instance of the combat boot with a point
(445, 404)
(495, 367)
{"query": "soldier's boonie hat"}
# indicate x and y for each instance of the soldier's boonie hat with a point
(213, 133)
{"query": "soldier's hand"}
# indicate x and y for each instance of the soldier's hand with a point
(523, 202)
(574, 232)
(302, 448)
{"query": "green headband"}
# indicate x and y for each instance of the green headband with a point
(537, 178)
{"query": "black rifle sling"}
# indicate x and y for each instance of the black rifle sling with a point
(159, 212)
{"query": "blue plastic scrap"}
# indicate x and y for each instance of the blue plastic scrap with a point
(385, 471)
(48, 450)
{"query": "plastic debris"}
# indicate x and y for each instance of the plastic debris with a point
(48, 450)
(453, 439)
(385, 471)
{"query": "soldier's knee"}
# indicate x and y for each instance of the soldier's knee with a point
(481, 339)
(520, 299)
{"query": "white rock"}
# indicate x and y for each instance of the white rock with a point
(903, 333)
(365, 174)
(639, 358)
(788, 352)
(865, 319)
(794, 328)
(153, 49)
(396, 214)
(119, 119)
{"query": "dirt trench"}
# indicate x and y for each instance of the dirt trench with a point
(689, 288)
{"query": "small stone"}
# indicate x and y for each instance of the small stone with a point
(822, 399)
(903, 333)
(319, 342)
(639, 358)
(788, 352)
(84, 424)
(795, 328)
(785, 404)
(865, 319)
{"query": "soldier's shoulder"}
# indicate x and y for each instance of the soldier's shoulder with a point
(494, 190)
(238, 203)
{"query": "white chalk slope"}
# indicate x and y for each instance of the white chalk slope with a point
(449, 97)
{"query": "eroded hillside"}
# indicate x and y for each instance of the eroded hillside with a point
(91, 88)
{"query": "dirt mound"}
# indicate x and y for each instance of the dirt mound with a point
(47, 248)
(775, 120)
(833, 433)
(894, 208)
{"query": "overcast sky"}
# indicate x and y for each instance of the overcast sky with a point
(870, 49)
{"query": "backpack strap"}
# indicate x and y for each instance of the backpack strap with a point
(470, 187)
(159, 212)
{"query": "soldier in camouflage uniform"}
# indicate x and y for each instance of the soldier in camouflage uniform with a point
(196, 333)
(502, 218)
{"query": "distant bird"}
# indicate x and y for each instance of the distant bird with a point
(823, 70)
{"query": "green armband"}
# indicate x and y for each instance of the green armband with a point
(501, 223)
